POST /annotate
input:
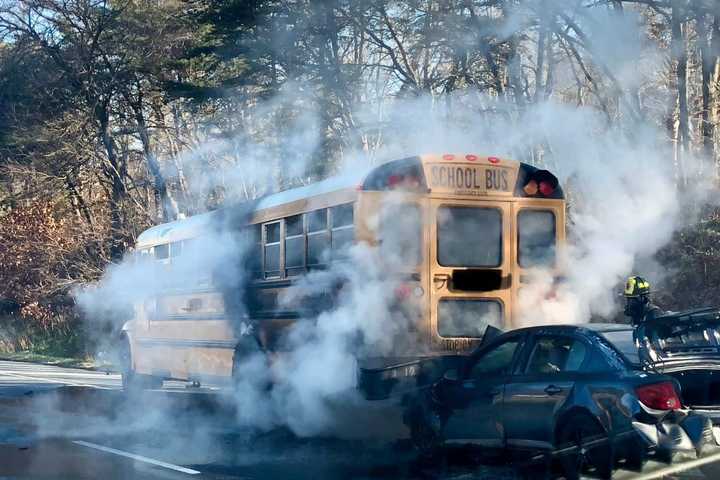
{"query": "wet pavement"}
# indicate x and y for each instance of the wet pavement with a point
(61, 423)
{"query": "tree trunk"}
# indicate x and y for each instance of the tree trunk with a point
(78, 203)
(116, 171)
(679, 54)
(715, 61)
(540, 61)
(708, 66)
(168, 206)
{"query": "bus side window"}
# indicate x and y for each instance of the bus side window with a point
(161, 252)
(140, 256)
(318, 237)
(294, 245)
(176, 249)
(254, 250)
(343, 231)
(272, 250)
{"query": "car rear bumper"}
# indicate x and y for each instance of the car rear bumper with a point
(712, 413)
(679, 431)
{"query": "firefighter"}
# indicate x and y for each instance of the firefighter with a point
(637, 301)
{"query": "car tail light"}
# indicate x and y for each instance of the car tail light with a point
(659, 396)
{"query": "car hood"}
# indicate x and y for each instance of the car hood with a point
(681, 340)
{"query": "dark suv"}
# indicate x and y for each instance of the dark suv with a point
(569, 391)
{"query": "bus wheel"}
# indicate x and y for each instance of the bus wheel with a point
(130, 379)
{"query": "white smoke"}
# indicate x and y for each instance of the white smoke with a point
(624, 207)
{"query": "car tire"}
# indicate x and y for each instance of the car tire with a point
(583, 444)
(635, 457)
(131, 380)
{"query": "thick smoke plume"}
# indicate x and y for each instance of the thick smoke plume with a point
(624, 206)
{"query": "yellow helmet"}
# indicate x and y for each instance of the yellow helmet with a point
(636, 286)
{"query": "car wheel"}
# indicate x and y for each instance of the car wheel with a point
(132, 381)
(584, 447)
(635, 454)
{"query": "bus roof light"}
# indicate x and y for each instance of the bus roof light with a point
(405, 174)
(394, 180)
(471, 158)
(531, 188)
(533, 182)
(448, 156)
(546, 189)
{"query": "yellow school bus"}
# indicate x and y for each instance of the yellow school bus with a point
(458, 233)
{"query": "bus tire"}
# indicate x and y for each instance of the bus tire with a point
(131, 380)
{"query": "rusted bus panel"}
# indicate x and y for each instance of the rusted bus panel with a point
(190, 306)
(164, 358)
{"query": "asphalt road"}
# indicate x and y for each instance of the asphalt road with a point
(61, 423)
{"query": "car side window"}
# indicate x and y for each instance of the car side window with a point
(554, 354)
(496, 361)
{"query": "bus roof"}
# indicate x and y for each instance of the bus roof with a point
(374, 178)
(193, 226)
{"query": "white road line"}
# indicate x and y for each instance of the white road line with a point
(680, 467)
(70, 374)
(50, 380)
(139, 458)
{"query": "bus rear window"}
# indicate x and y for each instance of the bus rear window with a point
(469, 237)
(468, 318)
(536, 238)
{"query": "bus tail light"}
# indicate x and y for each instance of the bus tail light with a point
(402, 292)
(406, 290)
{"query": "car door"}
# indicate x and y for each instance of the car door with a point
(477, 398)
(539, 390)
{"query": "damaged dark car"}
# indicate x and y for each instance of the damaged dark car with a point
(581, 396)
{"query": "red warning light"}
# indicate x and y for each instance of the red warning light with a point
(471, 158)
(448, 156)
(394, 180)
(546, 188)
(493, 160)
